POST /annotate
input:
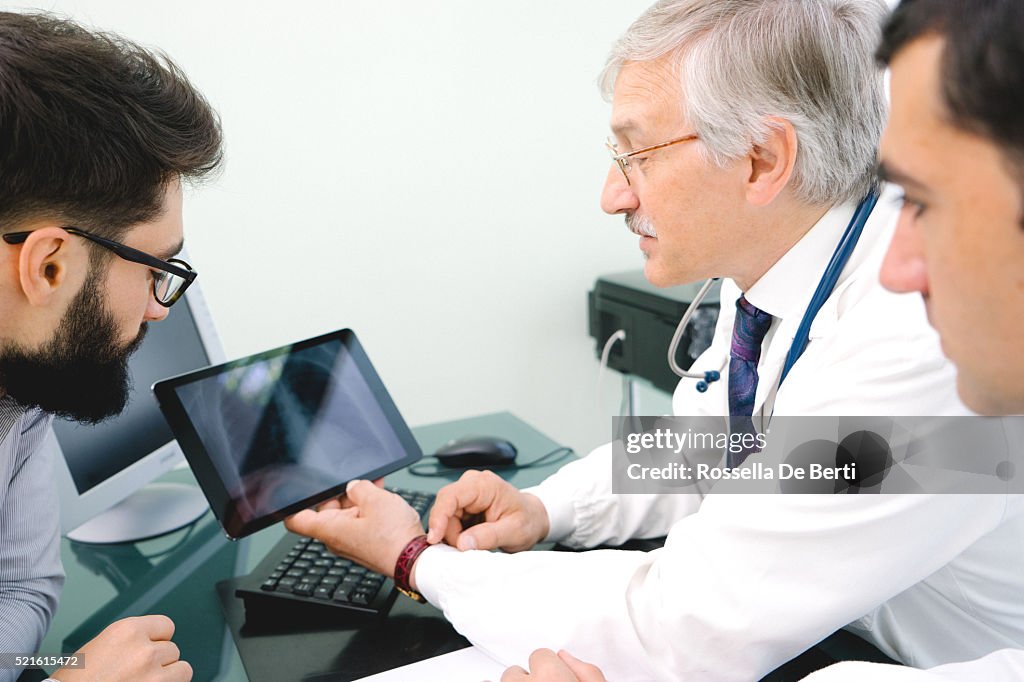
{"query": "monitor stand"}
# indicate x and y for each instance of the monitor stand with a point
(153, 510)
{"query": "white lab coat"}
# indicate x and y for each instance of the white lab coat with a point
(746, 582)
(1006, 665)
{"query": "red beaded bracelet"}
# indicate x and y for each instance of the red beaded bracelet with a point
(403, 567)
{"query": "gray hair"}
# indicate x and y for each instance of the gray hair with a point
(740, 62)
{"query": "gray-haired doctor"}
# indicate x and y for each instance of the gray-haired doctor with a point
(745, 138)
(959, 241)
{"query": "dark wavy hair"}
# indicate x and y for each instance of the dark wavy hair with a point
(982, 72)
(93, 127)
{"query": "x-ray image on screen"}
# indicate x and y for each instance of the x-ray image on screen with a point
(286, 427)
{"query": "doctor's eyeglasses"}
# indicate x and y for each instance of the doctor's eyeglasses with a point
(170, 277)
(622, 160)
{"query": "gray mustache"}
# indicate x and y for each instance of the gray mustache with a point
(641, 225)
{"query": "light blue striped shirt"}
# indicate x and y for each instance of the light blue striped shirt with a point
(31, 575)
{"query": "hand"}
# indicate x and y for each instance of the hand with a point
(342, 501)
(131, 650)
(482, 511)
(370, 526)
(545, 666)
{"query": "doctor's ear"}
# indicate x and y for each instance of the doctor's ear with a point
(772, 162)
(43, 264)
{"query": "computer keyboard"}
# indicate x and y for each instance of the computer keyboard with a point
(301, 575)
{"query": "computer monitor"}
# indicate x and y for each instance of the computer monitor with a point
(102, 470)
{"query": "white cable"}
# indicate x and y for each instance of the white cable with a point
(619, 335)
(629, 396)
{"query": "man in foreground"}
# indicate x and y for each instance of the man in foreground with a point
(746, 133)
(96, 137)
(955, 144)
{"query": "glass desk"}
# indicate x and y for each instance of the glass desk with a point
(176, 575)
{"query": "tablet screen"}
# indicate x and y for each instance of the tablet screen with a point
(275, 432)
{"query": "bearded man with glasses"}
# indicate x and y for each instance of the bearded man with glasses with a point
(97, 136)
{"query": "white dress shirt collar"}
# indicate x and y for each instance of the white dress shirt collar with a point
(786, 289)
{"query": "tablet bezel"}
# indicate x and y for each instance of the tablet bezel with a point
(206, 473)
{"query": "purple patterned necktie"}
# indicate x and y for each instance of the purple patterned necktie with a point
(747, 334)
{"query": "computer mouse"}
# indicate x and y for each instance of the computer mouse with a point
(476, 451)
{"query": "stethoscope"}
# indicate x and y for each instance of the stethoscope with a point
(826, 286)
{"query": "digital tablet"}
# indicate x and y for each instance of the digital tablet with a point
(276, 432)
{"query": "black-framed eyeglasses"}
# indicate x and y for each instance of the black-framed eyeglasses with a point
(170, 277)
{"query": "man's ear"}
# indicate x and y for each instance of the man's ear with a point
(43, 264)
(772, 162)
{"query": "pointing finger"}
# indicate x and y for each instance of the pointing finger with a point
(468, 494)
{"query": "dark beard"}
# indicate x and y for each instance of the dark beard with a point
(81, 374)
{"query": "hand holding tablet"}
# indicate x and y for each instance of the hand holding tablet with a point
(277, 432)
